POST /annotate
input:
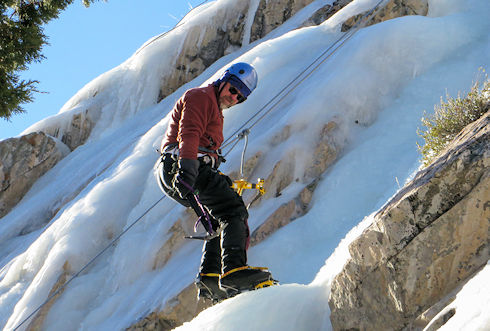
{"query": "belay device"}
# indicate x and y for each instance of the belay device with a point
(241, 184)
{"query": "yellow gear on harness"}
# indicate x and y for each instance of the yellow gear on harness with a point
(241, 184)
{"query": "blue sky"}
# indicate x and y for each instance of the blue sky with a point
(86, 42)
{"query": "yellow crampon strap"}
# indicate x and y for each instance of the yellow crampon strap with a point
(241, 184)
(267, 283)
(209, 274)
(243, 268)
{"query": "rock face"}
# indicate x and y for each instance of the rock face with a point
(183, 308)
(273, 13)
(284, 215)
(430, 238)
(22, 161)
(324, 155)
(326, 151)
(77, 131)
(176, 239)
(37, 322)
(203, 45)
(393, 9)
(326, 12)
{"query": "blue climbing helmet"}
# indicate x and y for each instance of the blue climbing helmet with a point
(242, 76)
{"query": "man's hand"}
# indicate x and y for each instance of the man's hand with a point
(185, 178)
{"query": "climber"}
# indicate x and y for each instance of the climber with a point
(190, 159)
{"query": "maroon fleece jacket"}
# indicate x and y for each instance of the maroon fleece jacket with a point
(196, 120)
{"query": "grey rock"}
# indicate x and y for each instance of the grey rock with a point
(22, 161)
(429, 239)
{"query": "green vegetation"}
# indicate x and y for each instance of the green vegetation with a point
(21, 42)
(451, 117)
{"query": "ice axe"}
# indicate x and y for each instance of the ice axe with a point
(203, 216)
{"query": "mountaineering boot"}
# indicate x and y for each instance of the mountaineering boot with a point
(234, 244)
(208, 287)
(236, 275)
(245, 278)
(207, 281)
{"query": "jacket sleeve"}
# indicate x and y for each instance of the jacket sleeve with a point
(193, 122)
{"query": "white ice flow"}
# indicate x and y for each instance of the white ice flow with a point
(377, 87)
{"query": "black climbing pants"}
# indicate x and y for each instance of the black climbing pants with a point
(225, 207)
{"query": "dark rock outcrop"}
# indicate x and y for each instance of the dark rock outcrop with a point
(393, 9)
(75, 132)
(428, 240)
(22, 161)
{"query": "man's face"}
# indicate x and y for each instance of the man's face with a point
(227, 98)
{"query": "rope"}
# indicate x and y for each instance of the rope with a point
(296, 81)
(89, 263)
(242, 161)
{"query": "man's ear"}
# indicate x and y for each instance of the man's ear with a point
(221, 87)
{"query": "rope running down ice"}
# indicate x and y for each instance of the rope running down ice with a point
(89, 263)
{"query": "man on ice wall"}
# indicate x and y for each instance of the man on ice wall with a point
(190, 159)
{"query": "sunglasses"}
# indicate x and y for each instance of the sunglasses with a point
(240, 98)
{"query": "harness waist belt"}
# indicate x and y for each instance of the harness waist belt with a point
(174, 149)
(204, 158)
